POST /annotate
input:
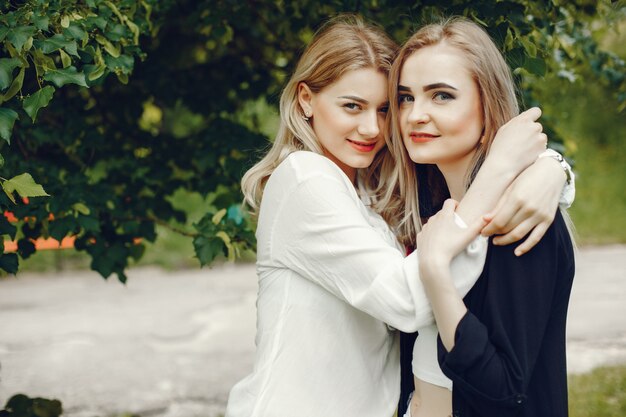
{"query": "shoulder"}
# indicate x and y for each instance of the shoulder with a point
(553, 251)
(302, 166)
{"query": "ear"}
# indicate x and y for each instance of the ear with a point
(305, 98)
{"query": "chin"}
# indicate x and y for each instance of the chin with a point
(361, 162)
(420, 158)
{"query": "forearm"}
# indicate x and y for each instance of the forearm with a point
(489, 185)
(448, 306)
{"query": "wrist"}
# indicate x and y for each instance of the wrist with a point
(434, 267)
(554, 158)
(496, 167)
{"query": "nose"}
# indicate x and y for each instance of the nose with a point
(368, 126)
(418, 114)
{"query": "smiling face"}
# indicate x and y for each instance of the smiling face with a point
(441, 118)
(348, 117)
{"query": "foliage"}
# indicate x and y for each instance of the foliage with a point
(589, 121)
(112, 106)
(20, 405)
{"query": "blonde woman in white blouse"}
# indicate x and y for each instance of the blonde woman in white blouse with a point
(334, 281)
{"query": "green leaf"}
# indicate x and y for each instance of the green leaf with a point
(66, 76)
(96, 71)
(217, 217)
(16, 86)
(43, 407)
(7, 65)
(66, 61)
(25, 247)
(3, 32)
(60, 227)
(535, 66)
(36, 101)
(41, 22)
(137, 251)
(76, 32)
(25, 186)
(529, 46)
(207, 248)
(7, 119)
(19, 35)
(123, 78)
(43, 63)
(108, 46)
(81, 208)
(6, 228)
(124, 63)
(57, 42)
(9, 263)
(89, 224)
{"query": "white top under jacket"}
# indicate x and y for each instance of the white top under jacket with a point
(331, 277)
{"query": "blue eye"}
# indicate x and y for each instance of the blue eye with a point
(442, 96)
(352, 106)
(405, 98)
(384, 109)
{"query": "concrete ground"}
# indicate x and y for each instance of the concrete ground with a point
(172, 344)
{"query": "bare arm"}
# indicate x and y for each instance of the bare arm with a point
(523, 204)
(515, 147)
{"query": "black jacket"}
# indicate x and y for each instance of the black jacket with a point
(509, 353)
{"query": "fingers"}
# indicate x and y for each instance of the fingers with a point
(501, 220)
(534, 238)
(533, 113)
(477, 225)
(515, 234)
(449, 205)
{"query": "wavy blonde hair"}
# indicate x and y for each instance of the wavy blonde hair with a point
(493, 78)
(343, 44)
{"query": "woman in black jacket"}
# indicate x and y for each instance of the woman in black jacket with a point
(503, 345)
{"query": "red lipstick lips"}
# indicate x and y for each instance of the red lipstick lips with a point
(362, 146)
(422, 137)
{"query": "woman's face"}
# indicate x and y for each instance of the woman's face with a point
(348, 117)
(441, 118)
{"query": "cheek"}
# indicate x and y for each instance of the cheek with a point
(402, 119)
(466, 122)
(333, 123)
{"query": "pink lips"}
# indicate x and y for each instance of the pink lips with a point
(420, 137)
(362, 146)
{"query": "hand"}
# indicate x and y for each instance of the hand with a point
(441, 239)
(528, 206)
(519, 142)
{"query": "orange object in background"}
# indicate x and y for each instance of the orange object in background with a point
(40, 243)
(43, 244)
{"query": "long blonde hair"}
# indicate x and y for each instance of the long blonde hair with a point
(499, 104)
(343, 44)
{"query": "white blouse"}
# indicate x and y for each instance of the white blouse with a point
(331, 277)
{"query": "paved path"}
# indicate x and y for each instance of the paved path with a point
(172, 344)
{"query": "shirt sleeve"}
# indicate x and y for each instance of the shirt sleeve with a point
(323, 234)
(490, 365)
(568, 193)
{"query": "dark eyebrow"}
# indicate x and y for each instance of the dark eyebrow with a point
(403, 88)
(438, 85)
(355, 98)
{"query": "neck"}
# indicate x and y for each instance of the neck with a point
(455, 174)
